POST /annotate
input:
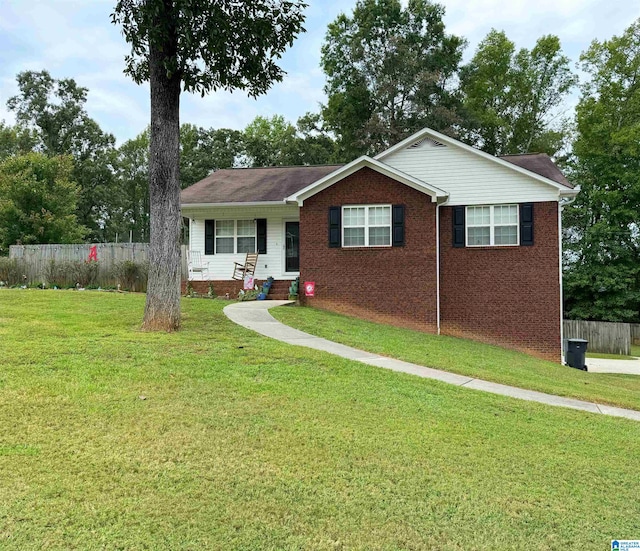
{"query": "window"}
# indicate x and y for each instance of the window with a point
(246, 236)
(366, 226)
(235, 236)
(492, 225)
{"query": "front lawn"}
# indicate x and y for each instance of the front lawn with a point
(466, 357)
(635, 353)
(216, 438)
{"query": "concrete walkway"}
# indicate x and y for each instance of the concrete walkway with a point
(604, 365)
(254, 315)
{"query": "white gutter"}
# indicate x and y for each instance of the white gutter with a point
(438, 261)
(188, 206)
(561, 205)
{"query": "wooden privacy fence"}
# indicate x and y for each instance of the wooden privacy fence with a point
(35, 258)
(635, 333)
(603, 336)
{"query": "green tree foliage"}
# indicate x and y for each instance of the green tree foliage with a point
(198, 46)
(203, 151)
(276, 142)
(38, 200)
(390, 72)
(132, 174)
(15, 140)
(603, 233)
(54, 111)
(513, 100)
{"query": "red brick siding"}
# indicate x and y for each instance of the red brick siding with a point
(395, 285)
(279, 289)
(508, 296)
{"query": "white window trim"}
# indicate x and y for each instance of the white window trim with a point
(492, 226)
(235, 235)
(367, 226)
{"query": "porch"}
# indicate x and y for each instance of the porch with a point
(224, 236)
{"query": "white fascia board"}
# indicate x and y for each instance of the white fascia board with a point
(354, 166)
(187, 206)
(455, 143)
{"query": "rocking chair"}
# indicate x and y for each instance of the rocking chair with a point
(248, 268)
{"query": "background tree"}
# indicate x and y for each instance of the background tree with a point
(38, 201)
(132, 174)
(513, 100)
(15, 141)
(204, 151)
(54, 112)
(276, 142)
(602, 236)
(198, 45)
(390, 72)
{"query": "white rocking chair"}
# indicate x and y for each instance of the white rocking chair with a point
(196, 265)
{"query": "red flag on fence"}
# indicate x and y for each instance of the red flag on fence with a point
(93, 253)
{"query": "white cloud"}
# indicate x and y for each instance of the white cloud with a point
(75, 38)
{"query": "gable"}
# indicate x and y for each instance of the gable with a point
(377, 167)
(471, 176)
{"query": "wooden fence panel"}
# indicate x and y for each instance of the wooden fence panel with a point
(35, 258)
(635, 333)
(605, 337)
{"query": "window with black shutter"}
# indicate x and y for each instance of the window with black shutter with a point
(209, 236)
(398, 226)
(334, 227)
(526, 224)
(458, 227)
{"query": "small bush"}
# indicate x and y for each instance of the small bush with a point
(10, 271)
(86, 273)
(60, 273)
(131, 276)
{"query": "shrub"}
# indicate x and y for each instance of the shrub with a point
(10, 271)
(131, 276)
(60, 273)
(86, 273)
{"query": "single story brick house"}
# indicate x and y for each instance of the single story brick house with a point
(431, 234)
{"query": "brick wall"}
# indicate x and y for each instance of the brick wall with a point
(395, 285)
(508, 296)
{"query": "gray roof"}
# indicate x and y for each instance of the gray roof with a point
(248, 185)
(253, 185)
(541, 164)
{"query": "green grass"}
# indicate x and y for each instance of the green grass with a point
(635, 353)
(466, 357)
(245, 443)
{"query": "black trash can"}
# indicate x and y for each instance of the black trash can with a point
(576, 351)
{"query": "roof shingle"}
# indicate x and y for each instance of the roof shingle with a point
(248, 185)
(541, 164)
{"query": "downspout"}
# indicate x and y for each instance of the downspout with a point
(438, 205)
(561, 205)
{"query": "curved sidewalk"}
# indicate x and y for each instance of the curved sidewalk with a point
(255, 315)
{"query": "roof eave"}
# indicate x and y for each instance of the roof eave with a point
(233, 204)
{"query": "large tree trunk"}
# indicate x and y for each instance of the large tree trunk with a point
(162, 310)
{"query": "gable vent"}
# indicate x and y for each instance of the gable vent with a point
(427, 142)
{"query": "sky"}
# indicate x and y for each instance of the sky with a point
(75, 39)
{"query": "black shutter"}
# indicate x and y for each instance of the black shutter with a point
(334, 227)
(526, 224)
(398, 226)
(209, 236)
(458, 226)
(261, 230)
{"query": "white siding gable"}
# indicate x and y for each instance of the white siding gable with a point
(469, 178)
(221, 265)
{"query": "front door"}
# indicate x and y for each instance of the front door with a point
(292, 247)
